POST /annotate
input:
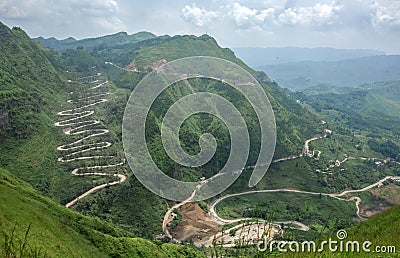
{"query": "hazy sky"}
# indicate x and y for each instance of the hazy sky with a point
(304, 23)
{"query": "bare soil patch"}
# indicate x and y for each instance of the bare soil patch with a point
(196, 224)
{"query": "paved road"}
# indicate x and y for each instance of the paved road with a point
(338, 196)
(76, 124)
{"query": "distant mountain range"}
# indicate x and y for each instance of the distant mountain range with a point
(301, 68)
(351, 72)
(119, 38)
(257, 57)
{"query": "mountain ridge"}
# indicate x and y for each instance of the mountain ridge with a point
(257, 57)
(345, 73)
(116, 38)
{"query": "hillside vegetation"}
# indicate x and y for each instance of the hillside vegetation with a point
(381, 230)
(29, 83)
(359, 109)
(41, 91)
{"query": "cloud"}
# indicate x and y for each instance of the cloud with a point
(319, 14)
(290, 4)
(92, 15)
(245, 17)
(348, 23)
(198, 16)
(387, 15)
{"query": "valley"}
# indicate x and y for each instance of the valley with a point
(259, 227)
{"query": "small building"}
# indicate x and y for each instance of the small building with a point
(386, 160)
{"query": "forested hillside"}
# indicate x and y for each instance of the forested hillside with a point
(29, 83)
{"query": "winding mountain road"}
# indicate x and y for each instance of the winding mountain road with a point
(305, 151)
(300, 226)
(78, 123)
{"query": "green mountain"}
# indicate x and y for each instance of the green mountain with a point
(290, 116)
(387, 89)
(294, 123)
(34, 88)
(24, 97)
(358, 108)
(90, 43)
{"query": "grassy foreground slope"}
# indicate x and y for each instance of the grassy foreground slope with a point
(55, 231)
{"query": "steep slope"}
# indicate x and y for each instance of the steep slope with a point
(32, 89)
(295, 123)
(32, 225)
(29, 83)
